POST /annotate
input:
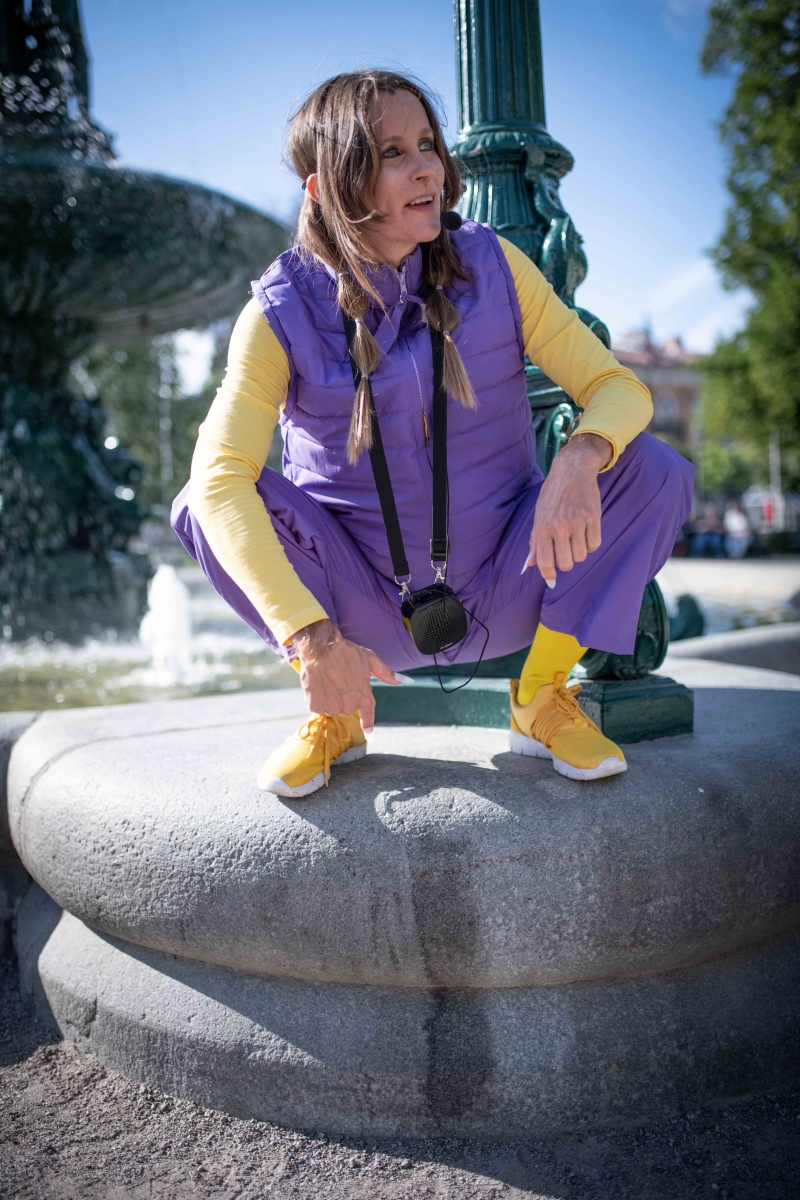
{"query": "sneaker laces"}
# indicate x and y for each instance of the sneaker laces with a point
(562, 710)
(328, 733)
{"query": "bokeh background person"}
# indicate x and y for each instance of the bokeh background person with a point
(708, 537)
(303, 556)
(738, 534)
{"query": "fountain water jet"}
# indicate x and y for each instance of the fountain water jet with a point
(166, 627)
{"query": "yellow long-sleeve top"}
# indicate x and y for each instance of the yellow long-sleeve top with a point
(235, 437)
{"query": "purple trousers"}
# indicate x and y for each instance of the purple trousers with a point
(645, 497)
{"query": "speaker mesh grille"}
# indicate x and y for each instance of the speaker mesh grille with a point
(438, 624)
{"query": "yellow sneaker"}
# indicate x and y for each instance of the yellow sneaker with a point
(302, 764)
(553, 726)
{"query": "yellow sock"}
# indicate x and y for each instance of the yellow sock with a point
(550, 653)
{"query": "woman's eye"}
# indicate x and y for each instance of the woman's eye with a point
(426, 144)
(392, 152)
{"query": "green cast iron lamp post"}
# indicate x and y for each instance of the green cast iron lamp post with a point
(512, 167)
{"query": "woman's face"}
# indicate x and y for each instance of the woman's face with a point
(408, 188)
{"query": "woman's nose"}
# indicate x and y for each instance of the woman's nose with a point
(421, 169)
(421, 166)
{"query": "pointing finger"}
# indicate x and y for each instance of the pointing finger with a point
(545, 561)
(379, 669)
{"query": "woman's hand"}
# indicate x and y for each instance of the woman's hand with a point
(566, 524)
(335, 673)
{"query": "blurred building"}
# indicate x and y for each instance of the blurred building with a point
(672, 376)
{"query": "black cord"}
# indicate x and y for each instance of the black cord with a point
(447, 691)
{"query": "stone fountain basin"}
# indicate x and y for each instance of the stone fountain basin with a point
(127, 251)
(441, 861)
(448, 940)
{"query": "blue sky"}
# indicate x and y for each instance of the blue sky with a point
(202, 89)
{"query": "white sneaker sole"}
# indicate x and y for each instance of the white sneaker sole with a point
(520, 744)
(280, 788)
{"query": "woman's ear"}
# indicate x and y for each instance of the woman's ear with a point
(311, 187)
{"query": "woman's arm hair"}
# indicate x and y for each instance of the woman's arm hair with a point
(232, 447)
(616, 405)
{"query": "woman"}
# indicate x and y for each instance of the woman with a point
(708, 540)
(303, 557)
(738, 534)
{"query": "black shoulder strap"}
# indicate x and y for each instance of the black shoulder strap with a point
(380, 470)
(440, 544)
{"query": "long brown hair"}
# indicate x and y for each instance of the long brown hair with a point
(331, 135)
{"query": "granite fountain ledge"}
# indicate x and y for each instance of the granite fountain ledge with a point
(400, 1062)
(449, 938)
(771, 647)
(13, 876)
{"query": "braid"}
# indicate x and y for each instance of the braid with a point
(353, 298)
(441, 314)
(366, 355)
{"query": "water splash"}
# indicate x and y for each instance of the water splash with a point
(202, 652)
(166, 629)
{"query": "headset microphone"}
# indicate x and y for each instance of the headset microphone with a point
(451, 220)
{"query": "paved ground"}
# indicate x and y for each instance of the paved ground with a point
(72, 1130)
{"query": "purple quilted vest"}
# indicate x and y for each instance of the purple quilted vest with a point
(491, 449)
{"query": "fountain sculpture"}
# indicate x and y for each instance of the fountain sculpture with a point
(88, 248)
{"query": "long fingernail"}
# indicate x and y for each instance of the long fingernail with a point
(527, 563)
(403, 678)
(551, 583)
(369, 733)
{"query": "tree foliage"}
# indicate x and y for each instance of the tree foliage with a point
(754, 378)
